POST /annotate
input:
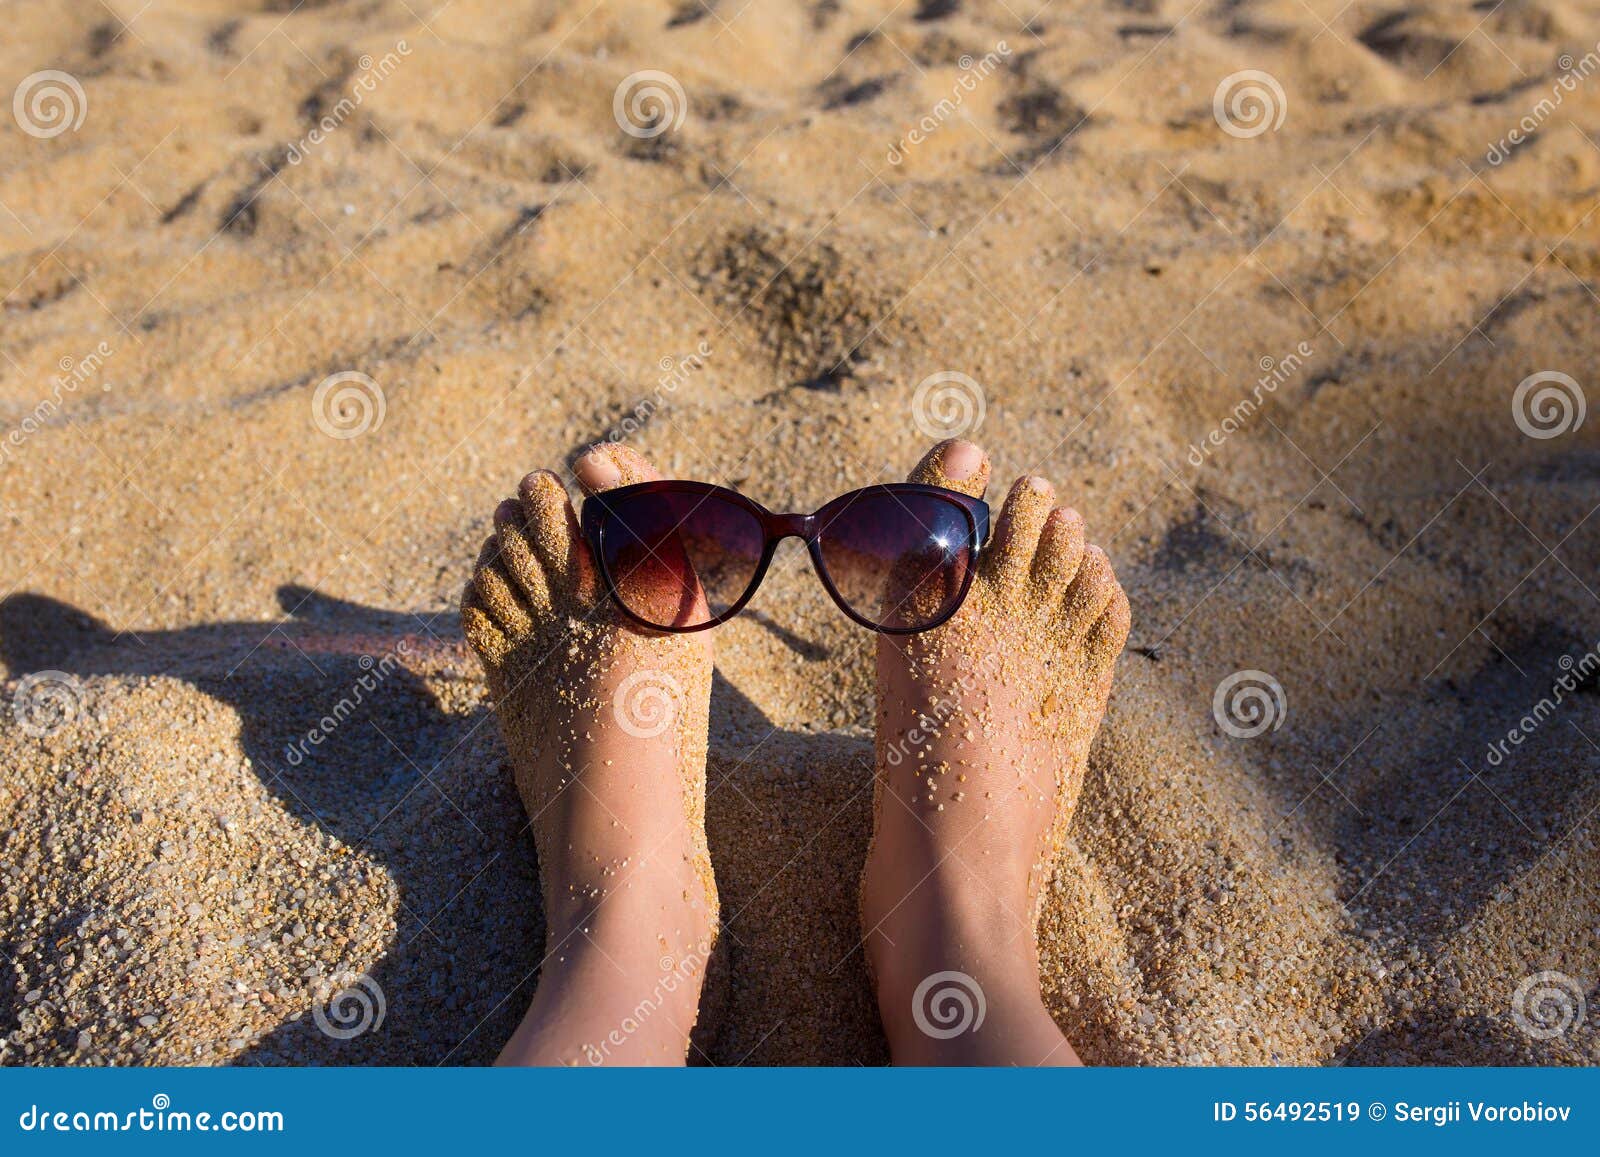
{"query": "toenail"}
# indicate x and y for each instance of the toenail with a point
(961, 460)
(1038, 485)
(599, 468)
(509, 510)
(538, 478)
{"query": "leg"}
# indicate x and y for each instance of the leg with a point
(984, 727)
(606, 727)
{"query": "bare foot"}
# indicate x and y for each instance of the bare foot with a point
(984, 727)
(606, 726)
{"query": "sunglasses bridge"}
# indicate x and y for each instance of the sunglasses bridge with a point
(801, 526)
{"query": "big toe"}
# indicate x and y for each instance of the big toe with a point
(955, 465)
(610, 465)
(665, 588)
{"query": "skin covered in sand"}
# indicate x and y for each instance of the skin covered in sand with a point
(966, 828)
(607, 732)
(983, 735)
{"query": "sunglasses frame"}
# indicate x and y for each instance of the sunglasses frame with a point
(599, 509)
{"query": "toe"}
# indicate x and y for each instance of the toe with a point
(1090, 593)
(955, 465)
(550, 527)
(1016, 535)
(486, 638)
(1110, 631)
(1060, 551)
(610, 465)
(517, 558)
(497, 595)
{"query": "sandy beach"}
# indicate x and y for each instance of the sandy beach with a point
(1295, 301)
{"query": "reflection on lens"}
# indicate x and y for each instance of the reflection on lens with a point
(680, 559)
(897, 559)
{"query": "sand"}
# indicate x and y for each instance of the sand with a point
(210, 559)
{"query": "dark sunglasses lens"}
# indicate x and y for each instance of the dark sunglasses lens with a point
(680, 560)
(898, 560)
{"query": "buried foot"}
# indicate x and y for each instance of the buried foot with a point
(606, 726)
(983, 735)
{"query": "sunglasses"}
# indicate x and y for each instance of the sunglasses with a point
(681, 556)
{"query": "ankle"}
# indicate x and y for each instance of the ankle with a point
(946, 926)
(658, 917)
(945, 1013)
(944, 904)
(593, 1008)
